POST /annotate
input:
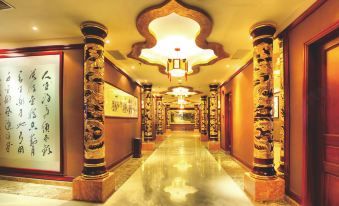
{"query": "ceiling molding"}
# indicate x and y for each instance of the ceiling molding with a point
(41, 48)
(182, 9)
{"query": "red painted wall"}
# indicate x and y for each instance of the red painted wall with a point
(241, 88)
(73, 116)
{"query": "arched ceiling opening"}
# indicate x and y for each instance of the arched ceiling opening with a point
(174, 31)
(174, 24)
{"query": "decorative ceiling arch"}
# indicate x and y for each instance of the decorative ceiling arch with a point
(167, 8)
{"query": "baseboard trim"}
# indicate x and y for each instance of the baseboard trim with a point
(241, 162)
(64, 181)
(118, 163)
(296, 198)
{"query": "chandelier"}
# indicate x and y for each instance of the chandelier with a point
(177, 67)
(181, 100)
(181, 91)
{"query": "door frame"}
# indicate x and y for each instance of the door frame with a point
(229, 121)
(308, 186)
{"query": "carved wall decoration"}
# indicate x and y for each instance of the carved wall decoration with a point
(94, 147)
(213, 112)
(148, 116)
(182, 9)
(263, 101)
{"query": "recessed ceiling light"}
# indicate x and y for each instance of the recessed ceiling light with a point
(107, 41)
(251, 37)
(214, 80)
(34, 28)
(228, 66)
(133, 67)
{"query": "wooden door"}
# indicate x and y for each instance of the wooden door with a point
(329, 130)
(323, 122)
(228, 122)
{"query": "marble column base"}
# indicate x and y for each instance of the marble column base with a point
(203, 137)
(213, 145)
(160, 138)
(148, 146)
(264, 190)
(93, 190)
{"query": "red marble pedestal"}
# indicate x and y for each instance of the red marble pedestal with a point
(213, 145)
(160, 138)
(203, 137)
(93, 190)
(262, 190)
(167, 131)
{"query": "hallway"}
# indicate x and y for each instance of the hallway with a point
(169, 102)
(180, 172)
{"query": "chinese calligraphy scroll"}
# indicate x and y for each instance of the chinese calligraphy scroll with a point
(119, 103)
(30, 112)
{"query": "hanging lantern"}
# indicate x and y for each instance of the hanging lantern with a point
(177, 67)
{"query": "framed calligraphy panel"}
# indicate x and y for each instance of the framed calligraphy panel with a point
(119, 103)
(30, 112)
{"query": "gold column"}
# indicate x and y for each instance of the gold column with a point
(263, 167)
(280, 64)
(148, 117)
(213, 112)
(95, 184)
(168, 117)
(159, 115)
(196, 116)
(203, 109)
(94, 147)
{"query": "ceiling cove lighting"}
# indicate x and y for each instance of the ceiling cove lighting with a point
(177, 67)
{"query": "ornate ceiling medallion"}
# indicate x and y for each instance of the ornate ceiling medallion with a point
(174, 24)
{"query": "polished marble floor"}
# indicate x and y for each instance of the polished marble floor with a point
(180, 172)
